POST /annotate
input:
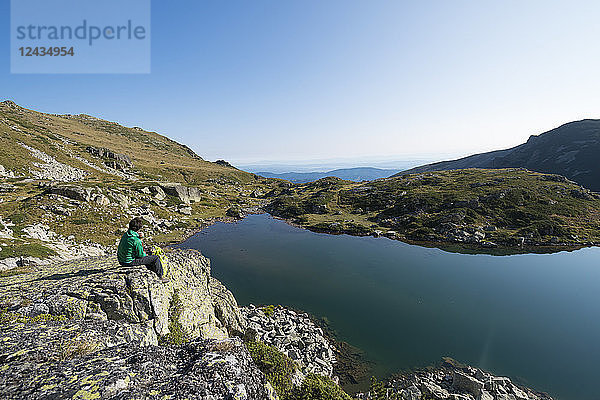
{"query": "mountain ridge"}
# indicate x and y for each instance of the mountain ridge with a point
(356, 174)
(569, 150)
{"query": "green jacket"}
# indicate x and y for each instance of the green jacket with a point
(130, 248)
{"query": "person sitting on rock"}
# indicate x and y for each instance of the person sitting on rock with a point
(131, 252)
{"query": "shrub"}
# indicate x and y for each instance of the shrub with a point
(269, 310)
(317, 387)
(277, 367)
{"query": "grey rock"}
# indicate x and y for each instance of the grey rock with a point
(294, 335)
(226, 308)
(158, 193)
(185, 210)
(464, 382)
(74, 192)
(484, 395)
(185, 193)
(101, 363)
(123, 161)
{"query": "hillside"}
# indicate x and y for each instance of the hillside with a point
(351, 174)
(570, 150)
(67, 137)
(70, 183)
(512, 208)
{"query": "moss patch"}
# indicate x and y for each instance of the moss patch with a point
(177, 333)
(7, 317)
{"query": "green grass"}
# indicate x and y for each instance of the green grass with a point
(26, 250)
(269, 310)
(15, 271)
(7, 317)
(278, 369)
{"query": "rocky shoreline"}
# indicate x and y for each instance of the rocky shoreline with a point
(295, 335)
(455, 246)
(451, 380)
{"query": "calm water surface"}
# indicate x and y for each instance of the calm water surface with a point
(535, 318)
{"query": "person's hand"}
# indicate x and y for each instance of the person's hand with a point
(140, 234)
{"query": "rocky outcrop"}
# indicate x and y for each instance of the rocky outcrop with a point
(74, 192)
(295, 335)
(90, 329)
(452, 380)
(116, 161)
(99, 289)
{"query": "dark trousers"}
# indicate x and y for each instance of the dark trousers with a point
(151, 262)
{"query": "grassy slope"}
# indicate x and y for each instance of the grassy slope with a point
(543, 209)
(153, 155)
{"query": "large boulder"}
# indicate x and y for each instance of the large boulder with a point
(186, 194)
(226, 308)
(74, 192)
(91, 328)
(464, 382)
(99, 289)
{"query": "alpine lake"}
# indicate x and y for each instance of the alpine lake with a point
(532, 317)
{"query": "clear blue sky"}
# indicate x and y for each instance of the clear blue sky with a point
(313, 79)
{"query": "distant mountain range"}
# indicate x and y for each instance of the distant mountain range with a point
(350, 174)
(571, 150)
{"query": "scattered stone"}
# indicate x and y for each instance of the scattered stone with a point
(4, 173)
(53, 170)
(295, 335)
(451, 380)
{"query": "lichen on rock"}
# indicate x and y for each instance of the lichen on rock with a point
(100, 289)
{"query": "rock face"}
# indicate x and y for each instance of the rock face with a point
(295, 335)
(451, 380)
(226, 309)
(74, 192)
(570, 150)
(116, 161)
(99, 289)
